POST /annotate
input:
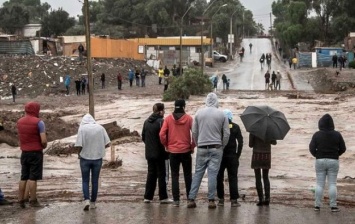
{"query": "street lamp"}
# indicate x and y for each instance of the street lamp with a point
(211, 28)
(202, 51)
(182, 19)
(231, 34)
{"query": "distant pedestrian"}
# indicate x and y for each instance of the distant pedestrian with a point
(294, 62)
(326, 146)
(335, 61)
(341, 60)
(250, 46)
(268, 60)
(290, 62)
(166, 82)
(174, 70)
(92, 139)
(130, 77)
(67, 84)
(228, 83)
(81, 52)
(267, 79)
(33, 139)
(261, 163)
(155, 155)
(143, 75)
(225, 81)
(215, 82)
(230, 161)
(280, 51)
(273, 79)
(278, 79)
(210, 131)
(83, 85)
(175, 135)
(137, 74)
(262, 60)
(78, 86)
(13, 92)
(103, 78)
(119, 81)
(160, 74)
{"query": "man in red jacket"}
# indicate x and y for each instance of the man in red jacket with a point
(33, 139)
(175, 135)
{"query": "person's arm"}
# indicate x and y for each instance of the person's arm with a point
(342, 147)
(251, 140)
(239, 140)
(42, 134)
(226, 132)
(163, 134)
(313, 146)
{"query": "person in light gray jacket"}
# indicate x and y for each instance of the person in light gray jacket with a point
(210, 130)
(92, 140)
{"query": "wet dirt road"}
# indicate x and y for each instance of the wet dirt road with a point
(130, 213)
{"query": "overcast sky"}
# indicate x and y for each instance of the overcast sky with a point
(261, 8)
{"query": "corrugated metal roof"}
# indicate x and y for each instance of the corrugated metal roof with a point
(73, 39)
(16, 47)
(195, 41)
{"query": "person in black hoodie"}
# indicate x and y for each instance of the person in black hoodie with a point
(326, 146)
(155, 155)
(230, 161)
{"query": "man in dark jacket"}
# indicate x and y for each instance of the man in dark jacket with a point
(230, 161)
(13, 92)
(155, 155)
(103, 78)
(225, 81)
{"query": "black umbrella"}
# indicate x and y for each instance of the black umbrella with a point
(265, 122)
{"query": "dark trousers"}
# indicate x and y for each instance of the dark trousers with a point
(160, 78)
(102, 84)
(186, 161)
(130, 82)
(156, 171)
(83, 89)
(13, 97)
(259, 185)
(119, 84)
(78, 91)
(231, 164)
(143, 81)
(165, 88)
(335, 64)
(67, 87)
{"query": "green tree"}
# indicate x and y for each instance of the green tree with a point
(56, 23)
(13, 17)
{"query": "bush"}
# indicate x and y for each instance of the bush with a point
(352, 64)
(192, 82)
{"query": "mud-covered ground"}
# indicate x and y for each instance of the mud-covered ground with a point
(292, 174)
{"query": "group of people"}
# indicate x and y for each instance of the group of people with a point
(80, 85)
(275, 80)
(341, 59)
(138, 75)
(219, 143)
(266, 57)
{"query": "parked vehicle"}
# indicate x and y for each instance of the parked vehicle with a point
(219, 57)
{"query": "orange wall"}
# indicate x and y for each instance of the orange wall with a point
(110, 48)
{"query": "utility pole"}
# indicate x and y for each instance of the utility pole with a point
(271, 33)
(88, 58)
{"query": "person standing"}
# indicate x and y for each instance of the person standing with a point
(326, 146)
(130, 77)
(261, 162)
(166, 78)
(278, 79)
(67, 84)
(155, 155)
(143, 75)
(250, 46)
(294, 62)
(230, 161)
(175, 135)
(137, 74)
(78, 86)
(13, 92)
(273, 79)
(81, 52)
(225, 81)
(92, 139)
(210, 130)
(119, 81)
(267, 79)
(33, 139)
(160, 74)
(83, 85)
(103, 78)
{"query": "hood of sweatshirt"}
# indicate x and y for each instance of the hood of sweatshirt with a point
(212, 100)
(87, 119)
(32, 109)
(326, 123)
(153, 117)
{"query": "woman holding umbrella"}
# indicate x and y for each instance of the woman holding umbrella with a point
(261, 161)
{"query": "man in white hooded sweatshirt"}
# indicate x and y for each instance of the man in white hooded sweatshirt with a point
(92, 140)
(210, 130)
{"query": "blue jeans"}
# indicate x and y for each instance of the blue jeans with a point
(94, 166)
(326, 168)
(209, 159)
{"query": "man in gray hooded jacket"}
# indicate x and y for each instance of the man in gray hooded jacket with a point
(210, 131)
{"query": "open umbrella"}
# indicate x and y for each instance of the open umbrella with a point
(265, 122)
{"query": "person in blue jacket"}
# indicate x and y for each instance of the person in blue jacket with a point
(130, 77)
(67, 83)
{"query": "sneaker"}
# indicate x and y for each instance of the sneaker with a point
(235, 203)
(92, 205)
(166, 201)
(316, 208)
(211, 204)
(147, 201)
(176, 203)
(35, 204)
(86, 205)
(191, 204)
(334, 209)
(5, 202)
(220, 202)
